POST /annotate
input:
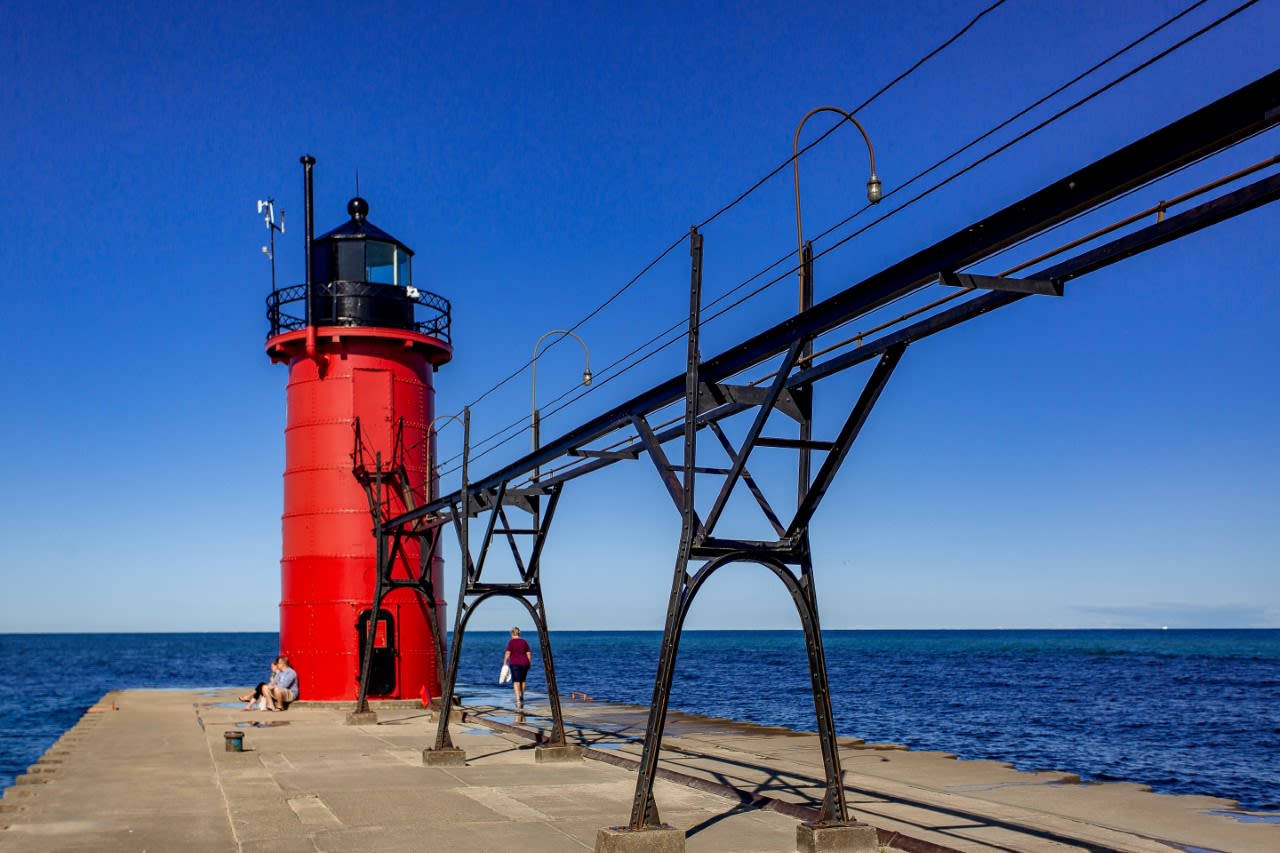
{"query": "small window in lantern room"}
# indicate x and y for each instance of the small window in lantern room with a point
(404, 277)
(380, 262)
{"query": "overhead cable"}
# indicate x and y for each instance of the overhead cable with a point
(552, 409)
(653, 263)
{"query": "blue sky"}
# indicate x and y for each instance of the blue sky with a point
(1107, 459)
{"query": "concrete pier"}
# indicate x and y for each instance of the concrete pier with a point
(154, 770)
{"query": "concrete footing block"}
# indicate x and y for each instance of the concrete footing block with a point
(448, 757)
(362, 718)
(456, 715)
(846, 838)
(622, 839)
(551, 753)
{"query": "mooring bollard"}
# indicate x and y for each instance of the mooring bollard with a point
(235, 741)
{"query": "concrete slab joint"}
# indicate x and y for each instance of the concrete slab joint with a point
(622, 839)
(847, 838)
(448, 757)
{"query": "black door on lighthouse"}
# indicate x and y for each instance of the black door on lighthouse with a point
(382, 667)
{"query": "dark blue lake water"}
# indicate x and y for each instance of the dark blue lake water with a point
(1186, 712)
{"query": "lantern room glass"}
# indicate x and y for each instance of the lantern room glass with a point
(386, 263)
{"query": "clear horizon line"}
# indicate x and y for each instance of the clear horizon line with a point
(686, 630)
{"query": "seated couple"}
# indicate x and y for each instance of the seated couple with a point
(276, 694)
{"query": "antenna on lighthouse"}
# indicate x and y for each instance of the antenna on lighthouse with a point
(268, 211)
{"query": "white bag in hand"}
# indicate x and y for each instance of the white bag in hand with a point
(504, 675)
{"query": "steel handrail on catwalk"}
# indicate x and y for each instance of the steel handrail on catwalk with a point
(788, 389)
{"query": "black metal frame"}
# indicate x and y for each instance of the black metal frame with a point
(380, 482)
(787, 553)
(474, 590)
(709, 396)
(435, 321)
(1237, 116)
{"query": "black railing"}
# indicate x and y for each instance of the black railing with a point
(358, 303)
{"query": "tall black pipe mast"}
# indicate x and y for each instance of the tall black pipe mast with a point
(307, 163)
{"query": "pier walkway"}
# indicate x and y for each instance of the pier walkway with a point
(149, 770)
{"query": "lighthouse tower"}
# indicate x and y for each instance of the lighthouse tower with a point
(361, 343)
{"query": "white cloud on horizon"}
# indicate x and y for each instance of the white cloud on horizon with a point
(1182, 615)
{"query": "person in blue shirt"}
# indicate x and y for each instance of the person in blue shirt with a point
(283, 688)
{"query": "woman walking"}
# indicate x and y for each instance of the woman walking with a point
(517, 657)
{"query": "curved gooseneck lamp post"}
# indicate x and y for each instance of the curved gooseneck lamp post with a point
(586, 380)
(586, 375)
(804, 254)
(874, 194)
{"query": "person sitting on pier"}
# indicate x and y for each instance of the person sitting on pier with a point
(254, 698)
(283, 688)
(258, 696)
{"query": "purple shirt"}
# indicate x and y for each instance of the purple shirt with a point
(519, 650)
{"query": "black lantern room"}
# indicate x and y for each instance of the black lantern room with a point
(358, 276)
(363, 275)
(358, 250)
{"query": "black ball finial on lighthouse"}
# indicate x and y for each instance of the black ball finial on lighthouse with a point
(358, 208)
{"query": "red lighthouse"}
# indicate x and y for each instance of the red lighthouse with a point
(361, 343)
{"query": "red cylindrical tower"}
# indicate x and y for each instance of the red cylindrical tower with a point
(363, 354)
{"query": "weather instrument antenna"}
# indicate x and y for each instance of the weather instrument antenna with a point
(267, 209)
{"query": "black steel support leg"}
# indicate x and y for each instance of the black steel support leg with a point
(834, 809)
(549, 668)
(443, 738)
(382, 574)
(644, 810)
(362, 692)
(427, 587)
(539, 611)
